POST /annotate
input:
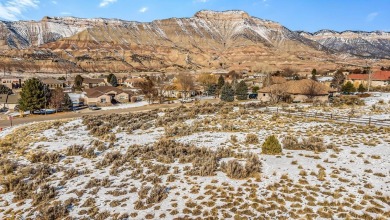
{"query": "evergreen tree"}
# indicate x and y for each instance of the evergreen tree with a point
(67, 104)
(314, 74)
(361, 88)
(78, 81)
(221, 82)
(255, 89)
(271, 146)
(5, 90)
(211, 89)
(348, 87)
(242, 91)
(33, 95)
(113, 81)
(227, 93)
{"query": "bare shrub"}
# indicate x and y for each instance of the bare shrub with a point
(313, 144)
(157, 194)
(291, 143)
(49, 211)
(44, 157)
(251, 139)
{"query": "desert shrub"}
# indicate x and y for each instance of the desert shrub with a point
(7, 166)
(291, 143)
(44, 157)
(233, 138)
(157, 194)
(251, 139)
(313, 144)
(143, 192)
(271, 146)
(253, 165)
(44, 194)
(49, 211)
(235, 170)
(109, 158)
(75, 150)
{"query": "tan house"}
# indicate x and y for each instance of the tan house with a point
(133, 82)
(12, 82)
(53, 83)
(9, 101)
(378, 79)
(93, 82)
(295, 91)
(105, 95)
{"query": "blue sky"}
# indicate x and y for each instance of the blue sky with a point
(307, 15)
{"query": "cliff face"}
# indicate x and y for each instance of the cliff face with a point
(364, 44)
(209, 40)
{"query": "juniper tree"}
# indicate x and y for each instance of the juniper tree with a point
(227, 93)
(242, 91)
(32, 96)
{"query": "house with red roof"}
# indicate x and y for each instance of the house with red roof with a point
(378, 78)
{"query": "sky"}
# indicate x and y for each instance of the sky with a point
(306, 15)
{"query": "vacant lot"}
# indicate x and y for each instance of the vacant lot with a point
(222, 161)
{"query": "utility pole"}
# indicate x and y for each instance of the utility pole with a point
(44, 92)
(369, 77)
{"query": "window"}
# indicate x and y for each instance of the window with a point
(263, 94)
(121, 97)
(103, 100)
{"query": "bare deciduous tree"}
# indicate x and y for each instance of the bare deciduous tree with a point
(185, 83)
(57, 98)
(148, 89)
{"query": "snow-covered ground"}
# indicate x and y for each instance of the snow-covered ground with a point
(124, 106)
(354, 183)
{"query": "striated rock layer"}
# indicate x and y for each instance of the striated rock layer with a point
(209, 40)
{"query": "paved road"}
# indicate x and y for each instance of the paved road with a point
(69, 115)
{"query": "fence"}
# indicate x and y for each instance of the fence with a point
(329, 116)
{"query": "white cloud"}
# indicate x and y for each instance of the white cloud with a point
(372, 16)
(143, 10)
(105, 3)
(13, 9)
(54, 2)
(201, 1)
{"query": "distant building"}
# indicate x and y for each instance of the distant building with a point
(12, 82)
(9, 101)
(53, 83)
(106, 95)
(93, 82)
(295, 91)
(379, 78)
(133, 82)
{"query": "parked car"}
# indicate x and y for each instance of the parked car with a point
(253, 96)
(44, 111)
(94, 107)
(189, 100)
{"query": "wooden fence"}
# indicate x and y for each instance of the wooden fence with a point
(329, 116)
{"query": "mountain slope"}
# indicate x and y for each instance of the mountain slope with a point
(208, 40)
(364, 44)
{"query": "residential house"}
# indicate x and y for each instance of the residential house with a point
(53, 83)
(94, 82)
(133, 82)
(12, 82)
(378, 78)
(9, 101)
(295, 91)
(105, 95)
